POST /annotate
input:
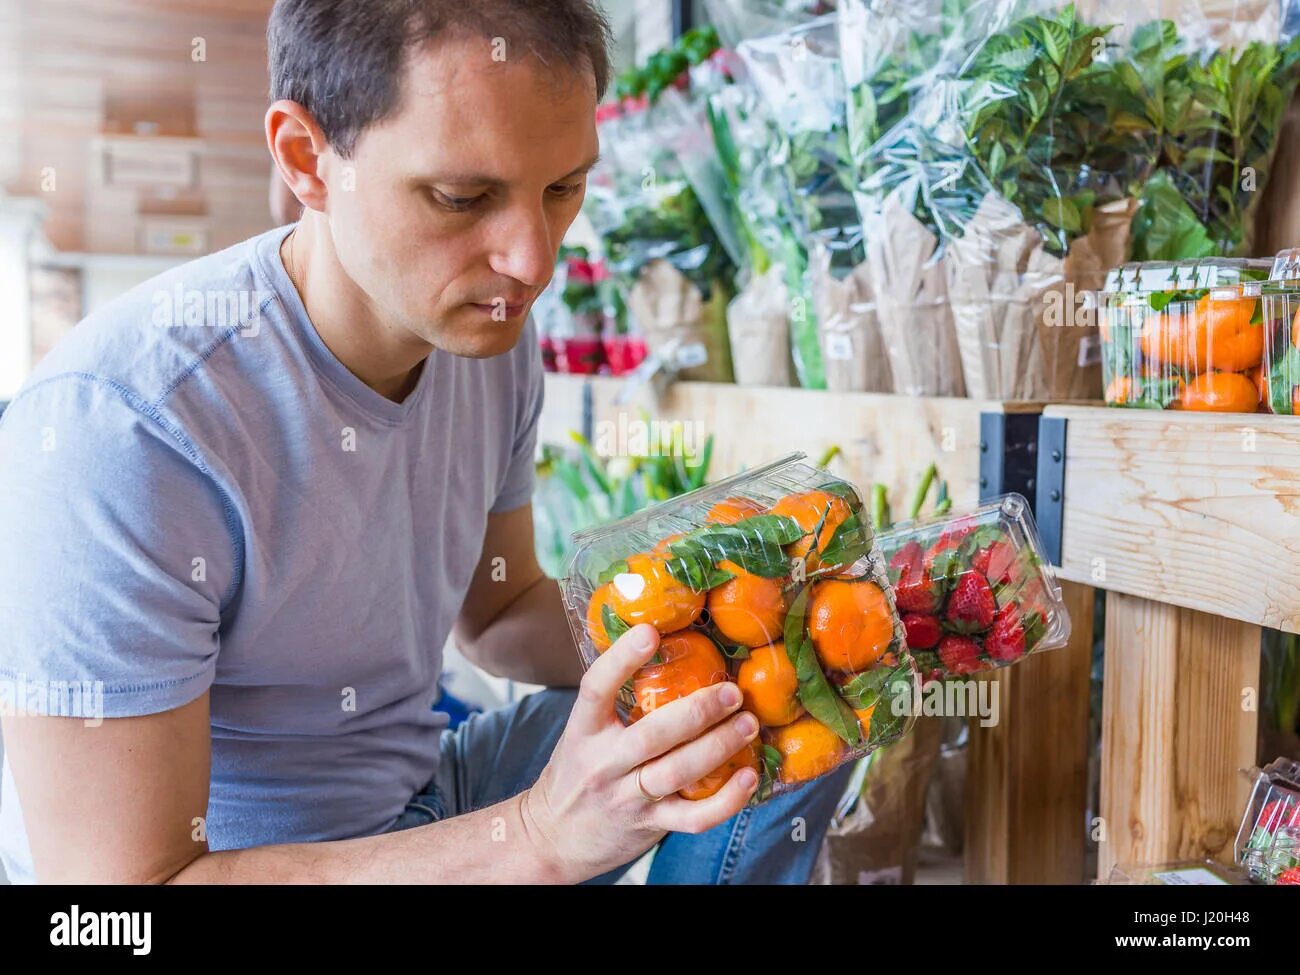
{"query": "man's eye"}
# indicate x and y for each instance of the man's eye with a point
(566, 190)
(456, 204)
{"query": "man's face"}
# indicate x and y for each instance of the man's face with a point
(450, 213)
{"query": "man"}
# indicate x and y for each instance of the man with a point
(247, 502)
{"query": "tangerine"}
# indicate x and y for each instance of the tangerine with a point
(648, 593)
(690, 660)
(850, 623)
(807, 509)
(1225, 337)
(1120, 391)
(728, 511)
(747, 757)
(661, 549)
(595, 621)
(747, 609)
(808, 749)
(770, 686)
(1220, 392)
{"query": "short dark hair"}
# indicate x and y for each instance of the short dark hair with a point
(343, 60)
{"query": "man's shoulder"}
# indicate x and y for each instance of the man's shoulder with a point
(150, 339)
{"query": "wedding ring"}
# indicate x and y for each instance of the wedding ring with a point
(641, 788)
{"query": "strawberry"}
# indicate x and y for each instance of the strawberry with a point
(971, 607)
(1006, 641)
(1288, 877)
(996, 561)
(960, 655)
(914, 592)
(1278, 813)
(923, 631)
(920, 595)
(906, 561)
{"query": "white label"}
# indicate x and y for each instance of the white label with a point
(1194, 877)
(839, 346)
(689, 356)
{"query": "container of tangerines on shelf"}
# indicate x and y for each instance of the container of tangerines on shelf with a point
(1187, 335)
(975, 591)
(771, 579)
(1282, 335)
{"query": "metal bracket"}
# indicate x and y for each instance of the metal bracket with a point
(1049, 510)
(1008, 455)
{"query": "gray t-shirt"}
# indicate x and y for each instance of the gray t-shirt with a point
(196, 494)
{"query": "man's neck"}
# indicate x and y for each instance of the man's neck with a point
(383, 357)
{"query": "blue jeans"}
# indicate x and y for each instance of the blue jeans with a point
(500, 753)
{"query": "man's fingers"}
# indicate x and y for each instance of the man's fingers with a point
(689, 763)
(601, 683)
(678, 815)
(671, 724)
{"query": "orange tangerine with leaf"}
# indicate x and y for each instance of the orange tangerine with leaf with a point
(770, 686)
(1225, 336)
(747, 757)
(689, 660)
(850, 624)
(808, 749)
(728, 511)
(747, 609)
(648, 593)
(807, 509)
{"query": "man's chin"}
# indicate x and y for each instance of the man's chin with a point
(475, 337)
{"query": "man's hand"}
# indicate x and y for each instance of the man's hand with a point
(585, 809)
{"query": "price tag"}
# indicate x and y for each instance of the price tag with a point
(839, 345)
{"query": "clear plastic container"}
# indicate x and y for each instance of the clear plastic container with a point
(1183, 873)
(1282, 335)
(1185, 335)
(1268, 843)
(771, 579)
(975, 591)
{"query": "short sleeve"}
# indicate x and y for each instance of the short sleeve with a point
(517, 489)
(117, 552)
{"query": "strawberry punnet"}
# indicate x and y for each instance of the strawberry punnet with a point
(923, 631)
(971, 607)
(960, 655)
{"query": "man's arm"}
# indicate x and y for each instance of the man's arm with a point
(124, 801)
(513, 623)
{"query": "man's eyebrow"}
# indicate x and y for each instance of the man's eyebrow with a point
(479, 179)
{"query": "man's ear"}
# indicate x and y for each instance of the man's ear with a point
(297, 145)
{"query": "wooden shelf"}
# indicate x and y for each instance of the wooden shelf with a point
(1195, 510)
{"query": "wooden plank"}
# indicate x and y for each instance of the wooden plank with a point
(1027, 774)
(1198, 510)
(885, 439)
(1177, 726)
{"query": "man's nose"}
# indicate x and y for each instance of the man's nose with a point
(525, 250)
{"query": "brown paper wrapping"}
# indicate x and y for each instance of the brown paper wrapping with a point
(911, 289)
(848, 327)
(671, 313)
(1014, 305)
(758, 322)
